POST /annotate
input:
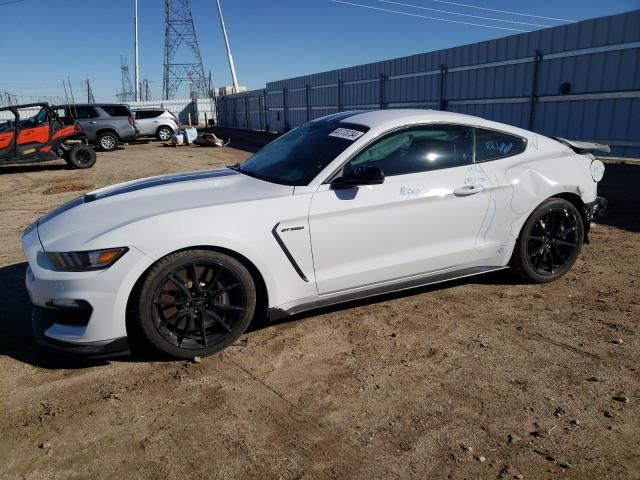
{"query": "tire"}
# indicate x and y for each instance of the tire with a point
(80, 156)
(107, 141)
(164, 134)
(549, 242)
(183, 318)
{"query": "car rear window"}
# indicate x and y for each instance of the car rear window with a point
(492, 145)
(116, 110)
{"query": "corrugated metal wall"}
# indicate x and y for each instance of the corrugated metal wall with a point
(515, 80)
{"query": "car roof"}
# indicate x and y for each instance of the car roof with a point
(93, 105)
(375, 118)
(391, 118)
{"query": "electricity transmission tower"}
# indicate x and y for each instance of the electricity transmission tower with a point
(87, 87)
(179, 31)
(126, 92)
(145, 91)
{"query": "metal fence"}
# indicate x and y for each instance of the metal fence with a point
(580, 81)
(197, 112)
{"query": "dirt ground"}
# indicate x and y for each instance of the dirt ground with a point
(482, 378)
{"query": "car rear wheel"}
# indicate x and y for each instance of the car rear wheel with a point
(195, 303)
(550, 242)
(107, 141)
(80, 156)
(164, 134)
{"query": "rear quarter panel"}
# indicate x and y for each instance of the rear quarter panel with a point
(521, 183)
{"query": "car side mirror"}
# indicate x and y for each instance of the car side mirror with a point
(359, 175)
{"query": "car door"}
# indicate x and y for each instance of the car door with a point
(424, 218)
(87, 117)
(145, 122)
(32, 133)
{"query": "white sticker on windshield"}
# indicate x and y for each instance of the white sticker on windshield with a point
(346, 133)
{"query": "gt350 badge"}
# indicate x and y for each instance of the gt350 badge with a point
(291, 229)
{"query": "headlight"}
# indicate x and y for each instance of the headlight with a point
(84, 261)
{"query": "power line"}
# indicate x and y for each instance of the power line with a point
(428, 18)
(461, 14)
(502, 11)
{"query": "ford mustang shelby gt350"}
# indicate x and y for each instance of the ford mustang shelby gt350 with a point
(347, 206)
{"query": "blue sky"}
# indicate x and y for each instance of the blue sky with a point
(44, 41)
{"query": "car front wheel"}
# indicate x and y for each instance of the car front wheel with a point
(549, 242)
(195, 303)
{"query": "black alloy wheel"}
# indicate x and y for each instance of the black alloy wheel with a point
(550, 241)
(195, 303)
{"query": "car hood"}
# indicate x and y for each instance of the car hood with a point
(88, 217)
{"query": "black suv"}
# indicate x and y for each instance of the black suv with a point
(105, 124)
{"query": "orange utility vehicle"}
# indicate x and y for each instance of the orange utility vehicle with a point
(42, 137)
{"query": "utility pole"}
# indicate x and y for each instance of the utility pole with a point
(232, 66)
(135, 47)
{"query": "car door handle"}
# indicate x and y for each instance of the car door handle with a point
(467, 190)
(93, 122)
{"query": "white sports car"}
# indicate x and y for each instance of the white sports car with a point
(347, 206)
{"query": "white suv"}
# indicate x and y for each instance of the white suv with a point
(158, 123)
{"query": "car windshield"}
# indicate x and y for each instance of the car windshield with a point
(297, 157)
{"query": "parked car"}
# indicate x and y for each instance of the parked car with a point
(348, 206)
(157, 123)
(29, 138)
(105, 124)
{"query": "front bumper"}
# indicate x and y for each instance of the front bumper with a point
(97, 328)
(43, 319)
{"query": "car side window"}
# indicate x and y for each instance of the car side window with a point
(83, 112)
(492, 145)
(116, 110)
(419, 149)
